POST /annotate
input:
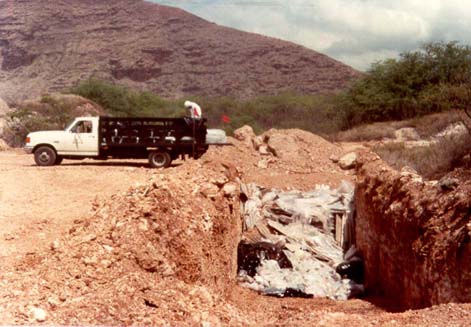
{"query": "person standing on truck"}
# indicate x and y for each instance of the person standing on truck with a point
(194, 109)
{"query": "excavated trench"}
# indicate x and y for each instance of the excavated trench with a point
(413, 237)
(297, 243)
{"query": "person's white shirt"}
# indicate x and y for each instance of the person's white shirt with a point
(194, 108)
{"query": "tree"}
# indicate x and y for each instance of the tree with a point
(434, 78)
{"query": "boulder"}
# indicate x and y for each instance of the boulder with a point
(263, 150)
(348, 161)
(258, 141)
(230, 189)
(406, 134)
(245, 134)
(452, 130)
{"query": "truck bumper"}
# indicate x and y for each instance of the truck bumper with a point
(28, 149)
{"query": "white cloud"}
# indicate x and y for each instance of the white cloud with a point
(357, 32)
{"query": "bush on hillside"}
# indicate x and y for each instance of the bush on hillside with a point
(120, 101)
(435, 78)
(51, 112)
(315, 113)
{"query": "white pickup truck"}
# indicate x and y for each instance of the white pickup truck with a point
(161, 140)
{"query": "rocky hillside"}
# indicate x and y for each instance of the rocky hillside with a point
(48, 45)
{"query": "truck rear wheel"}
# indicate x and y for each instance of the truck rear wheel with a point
(45, 156)
(158, 159)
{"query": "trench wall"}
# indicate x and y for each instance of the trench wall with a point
(414, 236)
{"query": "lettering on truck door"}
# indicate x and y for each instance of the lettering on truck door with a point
(82, 138)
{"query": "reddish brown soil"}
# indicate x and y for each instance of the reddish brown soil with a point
(159, 252)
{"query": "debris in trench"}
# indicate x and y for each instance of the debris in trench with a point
(250, 255)
(293, 242)
(352, 268)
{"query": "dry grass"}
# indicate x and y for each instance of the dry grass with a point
(371, 132)
(431, 161)
(430, 125)
(426, 126)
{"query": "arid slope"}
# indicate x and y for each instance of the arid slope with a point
(48, 45)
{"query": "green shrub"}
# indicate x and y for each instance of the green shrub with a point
(435, 78)
(120, 101)
(315, 113)
(47, 114)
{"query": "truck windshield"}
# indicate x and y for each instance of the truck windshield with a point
(69, 125)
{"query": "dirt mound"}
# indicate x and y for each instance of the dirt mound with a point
(165, 252)
(283, 158)
(142, 249)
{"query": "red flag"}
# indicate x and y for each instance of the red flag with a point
(225, 119)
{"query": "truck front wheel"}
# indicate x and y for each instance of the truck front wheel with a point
(45, 156)
(159, 159)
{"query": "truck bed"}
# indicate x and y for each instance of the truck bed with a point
(151, 132)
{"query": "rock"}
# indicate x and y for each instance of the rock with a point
(258, 141)
(55, 245)
(406, 134)
(230, 189)
(209, 190)
(334, 158)
(220, 181)
(452, 130)
(408, 171)
(8, 237)
(263, 164)
(53, 301)
(348, 161)
(38, 314)
(447, 183)
(143, 225)
(263, 150)
(245, 134)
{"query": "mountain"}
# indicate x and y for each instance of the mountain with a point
(48, 45)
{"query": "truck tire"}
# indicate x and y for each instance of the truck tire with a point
(58, 160)
(45, 156)
(159, 159)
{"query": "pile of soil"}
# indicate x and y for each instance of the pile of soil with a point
(149, 248)
(165, 251)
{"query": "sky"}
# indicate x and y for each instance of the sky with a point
(356, 32)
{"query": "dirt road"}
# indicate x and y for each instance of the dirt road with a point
(37, 204)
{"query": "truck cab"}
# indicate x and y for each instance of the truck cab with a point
(80, 138)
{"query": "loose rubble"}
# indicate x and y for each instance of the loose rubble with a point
(348, 161)
(297, 238)
(165, 251)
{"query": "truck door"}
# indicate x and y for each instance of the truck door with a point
(83, 137)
